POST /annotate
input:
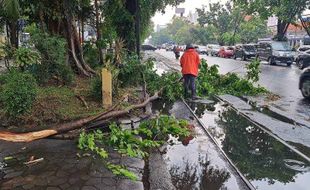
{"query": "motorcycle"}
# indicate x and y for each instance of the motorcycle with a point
(177, 55)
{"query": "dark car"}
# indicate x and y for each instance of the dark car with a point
(275, 52)
(147, 47)
(301, 50)
(245, 51)
(304, 83)
(303, 59)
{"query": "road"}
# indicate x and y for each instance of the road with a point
(280, 80)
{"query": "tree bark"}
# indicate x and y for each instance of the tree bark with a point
(98, 31)
(82, 26)
(138, 27)
(282, 27)
(13, 30)
(31, 136)
(75, 48)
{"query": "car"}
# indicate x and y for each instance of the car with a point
(202, 50)
(226, 52)
(303, 59)
(147, 47)
(304, 83)
(300, 51)
(245, 51)
(275, 52)
(169, 47)
(213, 49)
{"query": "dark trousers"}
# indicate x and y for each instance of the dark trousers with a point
(189, 85)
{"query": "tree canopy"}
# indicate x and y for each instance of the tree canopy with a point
(287, 11)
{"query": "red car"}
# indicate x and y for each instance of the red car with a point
(226, 52)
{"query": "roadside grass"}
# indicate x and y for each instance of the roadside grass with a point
(55, 105)
(58, 104)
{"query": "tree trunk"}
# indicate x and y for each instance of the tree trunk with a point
(82, 23)
(282, 27)
(75, 48)
(79, 50)
(31, 136)
(13, 30)
(98, 31)
(138, 27)
(132, 6)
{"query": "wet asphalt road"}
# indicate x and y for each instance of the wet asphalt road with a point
(279, 79)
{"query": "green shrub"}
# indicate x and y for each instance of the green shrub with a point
(96, 88)
(91, 54)
(25, 57)
(53, 51)
(18, 93)
(253, 70)
(130, 73)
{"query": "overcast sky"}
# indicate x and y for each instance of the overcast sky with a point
(189, 5)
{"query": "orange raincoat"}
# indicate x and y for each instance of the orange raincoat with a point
(190, 62)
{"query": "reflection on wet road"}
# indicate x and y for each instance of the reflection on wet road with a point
(267, 163)
(197, 164)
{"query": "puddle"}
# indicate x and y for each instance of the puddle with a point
(265, 162)
(195, 162)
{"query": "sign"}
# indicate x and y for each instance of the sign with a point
(180, 10)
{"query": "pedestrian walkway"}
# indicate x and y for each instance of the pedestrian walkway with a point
(63, 167)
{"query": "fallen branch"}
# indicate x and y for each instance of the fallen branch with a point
(82, 100)
(31, 136)
(34, 161)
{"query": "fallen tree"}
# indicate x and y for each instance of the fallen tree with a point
(58, 129)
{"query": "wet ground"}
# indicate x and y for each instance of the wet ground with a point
(265, 162)
(280, 79)
(62, 166)
(196, 162)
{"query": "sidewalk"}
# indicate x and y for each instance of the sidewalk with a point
(61, 168)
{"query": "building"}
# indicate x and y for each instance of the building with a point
(295, 33)
(192, 17)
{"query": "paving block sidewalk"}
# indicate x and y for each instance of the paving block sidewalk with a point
(62, 168)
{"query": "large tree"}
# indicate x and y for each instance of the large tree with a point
(132, 18)
(222, 17)
(253, 29)
(286, 11)
(59, 18)
(10, 13)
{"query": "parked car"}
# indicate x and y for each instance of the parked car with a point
(303, 59)
(304, 83)
(169, 47)
(147, 47)
(202, 50)
(213, 49)
(300, 51)
(245, 51)
(275, 52)
(226, 52)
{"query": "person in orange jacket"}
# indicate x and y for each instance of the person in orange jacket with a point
(190, 63)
